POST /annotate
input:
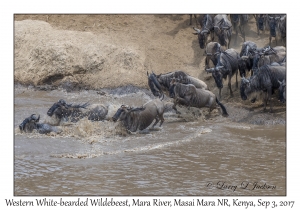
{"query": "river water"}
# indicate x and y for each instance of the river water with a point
(186, 156)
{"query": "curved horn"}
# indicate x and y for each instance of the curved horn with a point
(279, 82)
(245, 80)
(219, 67)
(245, 57)
(211, 70)
(204, 31)
(196, 29)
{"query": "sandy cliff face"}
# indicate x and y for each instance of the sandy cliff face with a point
(44, 55)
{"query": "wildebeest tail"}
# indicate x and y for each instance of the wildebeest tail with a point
(225, 114)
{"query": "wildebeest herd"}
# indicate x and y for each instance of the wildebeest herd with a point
(267, 66)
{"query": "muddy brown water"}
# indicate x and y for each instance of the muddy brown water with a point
(186, 156)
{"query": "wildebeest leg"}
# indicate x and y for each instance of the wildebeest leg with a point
(183, 101)
(156, 121)
(206, 63)
(229, 86)
(161, 117)
(236, 79)
(212, 37)
(270, 38)
(242, 30)
(220, 89)
(229, 38)
(269, 94)
(174, 106)
(265, 100)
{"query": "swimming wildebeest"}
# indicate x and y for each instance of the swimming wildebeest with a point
(260, 22)
(211, 51)
(246, 63)
(191, 96)
(161, 82)
(282, 91)
(266, 79)
(68, 112)
(223, 30)
(32, 123)
(227, 66)
(207, 27)
(238, 22)
(140, 118)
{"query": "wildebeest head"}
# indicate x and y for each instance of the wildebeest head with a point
(202, 36)
(260, 22)
(57, 108)
(273, 21)
(29, 123)
(234, 18)
(244, 63)
(282, 91)
(123, 111)
(154, 84)
(61, 110)
(217, 75)
(245, 88)
(221, 31)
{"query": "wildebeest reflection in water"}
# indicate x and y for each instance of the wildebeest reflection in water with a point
(68, 112)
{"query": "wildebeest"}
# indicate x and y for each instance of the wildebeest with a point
(266, 79)
(273, 25)
(282, 28)
(246, 63)
(227, 66)
(211, 51)
(267, 56)
(282, 91)
(68, 112)
(260, 22)
(161, 82)
(32, 123)
(191, 96)
(223, 30)
(207, 27)
(238, 22)
(140, 118)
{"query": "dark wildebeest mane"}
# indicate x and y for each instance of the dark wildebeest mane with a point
(79, 105)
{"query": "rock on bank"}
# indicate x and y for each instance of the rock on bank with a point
(44, 55)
